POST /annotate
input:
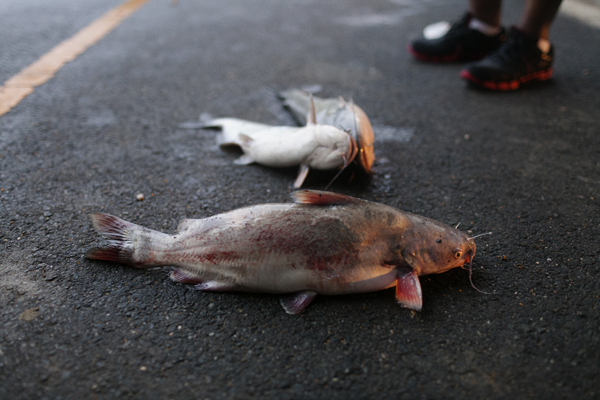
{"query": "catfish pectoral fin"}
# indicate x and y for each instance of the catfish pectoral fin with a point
(244, 159)
(245, 139)
(296, 302)
(301, 176)
(408, 290)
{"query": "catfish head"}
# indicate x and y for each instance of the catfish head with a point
(335, 148)
(429, 247)
(433, 247)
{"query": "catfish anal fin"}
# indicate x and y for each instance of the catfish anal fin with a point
(321, 198)
(180, 276)
(408, 290)
(214, 286)
(296, 302)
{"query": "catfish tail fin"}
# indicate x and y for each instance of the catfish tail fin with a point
(114, 253)
(120, 235)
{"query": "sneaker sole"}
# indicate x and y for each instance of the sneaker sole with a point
(447, 58)
(505, 86)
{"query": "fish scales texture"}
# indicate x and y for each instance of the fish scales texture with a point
(325, 243)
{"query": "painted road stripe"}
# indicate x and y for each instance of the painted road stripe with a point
(585, 12)
(20, 85)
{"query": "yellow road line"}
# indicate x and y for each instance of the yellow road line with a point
(20, 85)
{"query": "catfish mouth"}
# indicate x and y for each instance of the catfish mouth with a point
(468, 257)
(465, 259)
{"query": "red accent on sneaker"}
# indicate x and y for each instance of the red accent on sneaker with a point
(507, 85)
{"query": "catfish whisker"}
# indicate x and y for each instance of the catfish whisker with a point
(471, 278)
(334, 178)
(347, 160)
(481, 234)
(346, 163)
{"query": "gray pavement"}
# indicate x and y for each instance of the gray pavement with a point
(524, 165)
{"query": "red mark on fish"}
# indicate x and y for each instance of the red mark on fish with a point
(324, 243)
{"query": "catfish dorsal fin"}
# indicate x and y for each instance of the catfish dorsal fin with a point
(312, 115)
(245, 139)
(320, 198)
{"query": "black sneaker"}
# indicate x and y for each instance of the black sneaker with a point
(460, 43)
(518, 61)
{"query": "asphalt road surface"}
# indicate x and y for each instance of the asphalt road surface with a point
(523, 165)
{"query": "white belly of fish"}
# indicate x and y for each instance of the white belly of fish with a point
(272, 249)
(285, 273)
(316, 146)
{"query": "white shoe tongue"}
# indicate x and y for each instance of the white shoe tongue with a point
(484, 28)
(436, 30)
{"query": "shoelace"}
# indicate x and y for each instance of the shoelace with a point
(458, 27)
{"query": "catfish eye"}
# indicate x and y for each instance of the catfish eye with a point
(439, 241)
(458, 254)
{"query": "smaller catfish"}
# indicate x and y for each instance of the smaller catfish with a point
(337, 112)
(325, 243)
(322, 147)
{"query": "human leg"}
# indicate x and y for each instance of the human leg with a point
(538, 16)
(488, 11)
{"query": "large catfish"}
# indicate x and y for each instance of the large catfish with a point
(325, 243)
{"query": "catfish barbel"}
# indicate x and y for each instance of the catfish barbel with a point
(324, 243)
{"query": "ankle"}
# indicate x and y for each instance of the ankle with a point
(542, 42)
